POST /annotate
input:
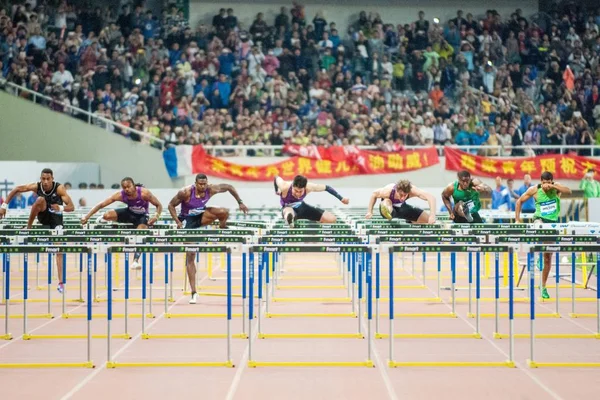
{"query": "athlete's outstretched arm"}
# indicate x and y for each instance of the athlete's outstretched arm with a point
(224, 187)
(315, 187)
(28, 187)
(446, 194)
(149, 196)
(175, 201)
(280, 185)
(428, 198)
(481, 187)
(561, 188)
(69, 206)
(101, 205)
(524, 197)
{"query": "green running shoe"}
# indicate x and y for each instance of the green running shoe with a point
(385, 211)
(545, 294)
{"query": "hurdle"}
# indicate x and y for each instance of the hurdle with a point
(453, 249)
(308, 248)
(165, 249)
(218, 234)
(551, 239)
(206, 240)
(12, 249)
(594, 248)
(415, 239)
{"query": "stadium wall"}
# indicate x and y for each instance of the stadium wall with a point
(32, 132)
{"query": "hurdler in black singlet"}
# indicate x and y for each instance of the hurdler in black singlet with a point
(49, 216)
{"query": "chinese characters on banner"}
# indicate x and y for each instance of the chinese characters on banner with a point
(355, 163)
(562, 166)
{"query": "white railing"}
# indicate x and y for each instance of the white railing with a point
(92, 119)
(273, 151)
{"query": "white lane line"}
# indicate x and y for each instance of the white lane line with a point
(243, 362)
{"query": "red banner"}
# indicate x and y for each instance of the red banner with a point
(562, 166)
(359, 163)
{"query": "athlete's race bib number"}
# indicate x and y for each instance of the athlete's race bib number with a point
(548, 208)
(470, 205)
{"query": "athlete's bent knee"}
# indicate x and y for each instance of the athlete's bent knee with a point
(40, 202)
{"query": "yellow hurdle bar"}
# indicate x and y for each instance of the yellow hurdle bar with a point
(423, 315)
(192, 336)
(523, 315)
(87, 364)
(34, 316)
(367, 363)
(535, 364)
(113, 364)
(73, 316)
(75, 336)
(395, 364)
(312, 315)
(474, 335)
(311, 336)
(550, 335)
(207, 315)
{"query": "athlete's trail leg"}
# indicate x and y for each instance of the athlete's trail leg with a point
(327, 218)
(212, 214)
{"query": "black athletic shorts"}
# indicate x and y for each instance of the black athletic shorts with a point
(304, 211)
(191, 221)
(405, 211)
(476, 219)
(52, 220)
(125, 216)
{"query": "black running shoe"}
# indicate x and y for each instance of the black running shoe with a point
(290, 220)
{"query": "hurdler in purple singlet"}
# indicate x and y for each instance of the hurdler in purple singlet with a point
(196, 205)
(290, 201)
(395, 202)
(137, 205)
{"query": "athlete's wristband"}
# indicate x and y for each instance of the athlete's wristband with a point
(332, 192)
(61, 208)
(4, 206)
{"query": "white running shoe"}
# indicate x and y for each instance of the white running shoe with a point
(136, 265)
(194, 298)
(290, 220)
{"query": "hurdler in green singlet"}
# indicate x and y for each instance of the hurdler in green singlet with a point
(470, 197)
(547, 210)
(547, 205)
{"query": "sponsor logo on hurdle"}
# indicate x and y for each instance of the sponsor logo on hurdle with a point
(333, 249)
(411, 248)
(129, 249)
(161, 239)
(473, 248)
(266, 248)
(552, 248)
(52, 249)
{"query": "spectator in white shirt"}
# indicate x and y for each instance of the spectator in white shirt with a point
(63, 77)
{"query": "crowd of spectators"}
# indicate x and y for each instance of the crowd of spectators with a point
(499, 80)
